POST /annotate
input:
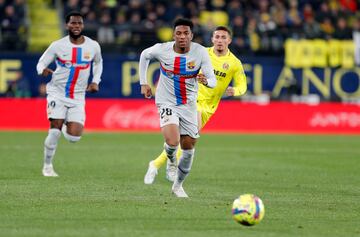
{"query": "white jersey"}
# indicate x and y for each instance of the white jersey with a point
(70, 79)
(177, 83)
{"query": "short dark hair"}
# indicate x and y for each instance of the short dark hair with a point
(73, 13)
(224, 28)
(184, 22)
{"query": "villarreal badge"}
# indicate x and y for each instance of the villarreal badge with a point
(191, 65)
(225, 66)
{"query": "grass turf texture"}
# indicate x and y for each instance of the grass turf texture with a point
(309, 185)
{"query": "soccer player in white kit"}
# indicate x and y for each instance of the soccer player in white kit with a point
(73, 55)
(176, 93)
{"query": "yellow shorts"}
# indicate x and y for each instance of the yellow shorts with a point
(205, 117)
(205, 114)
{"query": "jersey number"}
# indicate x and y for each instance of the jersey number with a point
(51, 104)
(165, 111)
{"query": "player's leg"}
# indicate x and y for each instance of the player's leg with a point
(172, 139)
(72, 131)
(170, 133)
(184, 165)
(56, 115)
(171, 169)
(189, 131)
(74, 125)
(169, 127)
(162, 158)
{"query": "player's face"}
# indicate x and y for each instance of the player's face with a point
(182, 36)
(75, 26)
(221, 40)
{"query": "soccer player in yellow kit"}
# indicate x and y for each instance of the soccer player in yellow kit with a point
(227, 67)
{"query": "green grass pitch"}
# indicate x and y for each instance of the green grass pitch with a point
(310, 186)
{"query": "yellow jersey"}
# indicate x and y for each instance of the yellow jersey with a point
(226, 68)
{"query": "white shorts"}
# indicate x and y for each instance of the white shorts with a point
(58, 109)
(184, 116)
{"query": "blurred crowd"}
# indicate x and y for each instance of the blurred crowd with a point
(259, 26)
(13, 25)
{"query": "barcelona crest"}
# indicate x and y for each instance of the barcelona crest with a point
(87, 55)
(191, 65)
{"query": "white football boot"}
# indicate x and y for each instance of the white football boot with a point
(48, 171)
(178, 190)
(151, 173)
(171, 168)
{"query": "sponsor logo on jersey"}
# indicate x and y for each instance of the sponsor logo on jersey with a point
(68, 64)
(219, 74)
(169, 74)
(225, 66)
(191, 65)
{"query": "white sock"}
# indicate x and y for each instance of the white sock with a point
(50, 145)
(69, 137)
(184, 165)
(170, 152)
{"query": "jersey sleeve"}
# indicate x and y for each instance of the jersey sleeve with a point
(145, 58)
(207, 69)
(239, 80)
(97, 65)
(45, 59)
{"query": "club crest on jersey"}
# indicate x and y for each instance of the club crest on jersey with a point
(225, 66)
(191, 65)
(87, 55)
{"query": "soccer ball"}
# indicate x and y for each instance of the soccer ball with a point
(248, 209)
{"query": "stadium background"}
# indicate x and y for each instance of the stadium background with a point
(301, 53)
(303, 78)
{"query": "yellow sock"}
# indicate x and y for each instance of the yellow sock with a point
(178, 154)
(160, 160)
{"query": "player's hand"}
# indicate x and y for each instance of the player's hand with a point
(46, 72)
(230, 91)
(146, 91)
(92, 87)
(202, 79)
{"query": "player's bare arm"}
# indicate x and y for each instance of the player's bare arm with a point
(46, 72)
(92, 87)
(146, 91)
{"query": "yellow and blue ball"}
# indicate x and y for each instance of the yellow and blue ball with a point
(248, 209)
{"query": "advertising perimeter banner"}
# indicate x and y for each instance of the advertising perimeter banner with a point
(265, 75)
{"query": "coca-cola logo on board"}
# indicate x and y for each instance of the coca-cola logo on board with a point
(142, 117)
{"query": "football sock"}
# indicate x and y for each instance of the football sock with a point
(50, 145)
(170, 152)
(160, 160)
(184, 165)
(178, 154)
